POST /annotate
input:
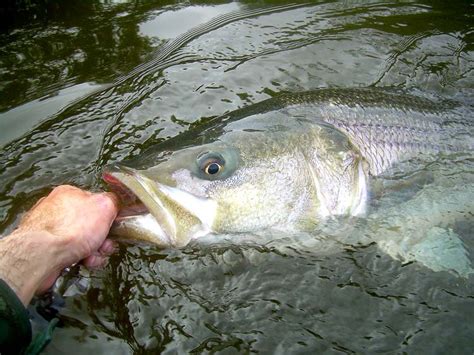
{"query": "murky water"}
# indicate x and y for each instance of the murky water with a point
(145, 73)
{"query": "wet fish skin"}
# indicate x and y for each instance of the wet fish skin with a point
(264, 184)
(288, 161)
(388, 127)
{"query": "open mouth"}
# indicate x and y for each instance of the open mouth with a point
(156, 212)
(142, 215)
(130, 204)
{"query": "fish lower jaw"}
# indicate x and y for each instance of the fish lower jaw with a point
(143, 227)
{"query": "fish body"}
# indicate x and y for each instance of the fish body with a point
(288, 162)
(387, 127)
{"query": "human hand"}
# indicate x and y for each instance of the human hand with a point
(67, 226)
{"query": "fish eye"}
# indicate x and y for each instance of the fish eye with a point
(212, 168)
(211, 164)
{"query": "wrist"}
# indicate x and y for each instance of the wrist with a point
(27, 259)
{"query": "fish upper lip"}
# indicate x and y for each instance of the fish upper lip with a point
(129, 193)
(130, 203)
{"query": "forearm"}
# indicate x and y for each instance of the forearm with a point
(26, 260)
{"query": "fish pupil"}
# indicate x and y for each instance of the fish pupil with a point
(213, 168)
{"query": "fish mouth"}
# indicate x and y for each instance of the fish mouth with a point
(130, 204)
(154, 212)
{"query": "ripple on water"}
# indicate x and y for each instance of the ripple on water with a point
(229, 297)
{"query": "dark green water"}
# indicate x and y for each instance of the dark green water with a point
(142, 79)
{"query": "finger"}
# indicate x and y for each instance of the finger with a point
(95, 261)
(98, 217)
(108, 247)
(37, 203)
(113, 197)
(108, 203)
(68, 190)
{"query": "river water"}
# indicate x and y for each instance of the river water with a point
(84, 84)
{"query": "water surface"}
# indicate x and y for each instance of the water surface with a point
(89, 83)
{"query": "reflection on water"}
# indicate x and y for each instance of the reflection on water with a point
(234, 297)
(20, 120)
(62, 48)
(169, 24)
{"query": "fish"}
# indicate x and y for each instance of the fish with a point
(287, 163)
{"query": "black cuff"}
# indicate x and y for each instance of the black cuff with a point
(15, 327)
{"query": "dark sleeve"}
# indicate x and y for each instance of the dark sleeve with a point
(15, 328)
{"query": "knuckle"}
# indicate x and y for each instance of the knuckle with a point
(64, 188)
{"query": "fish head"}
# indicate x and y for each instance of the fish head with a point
(169, 203)
(247, 182)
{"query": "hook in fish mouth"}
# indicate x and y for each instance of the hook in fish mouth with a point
(154, 212)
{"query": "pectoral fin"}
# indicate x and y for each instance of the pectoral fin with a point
(442, 249)
(422, 229)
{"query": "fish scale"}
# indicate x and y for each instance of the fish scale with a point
(386, 127)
